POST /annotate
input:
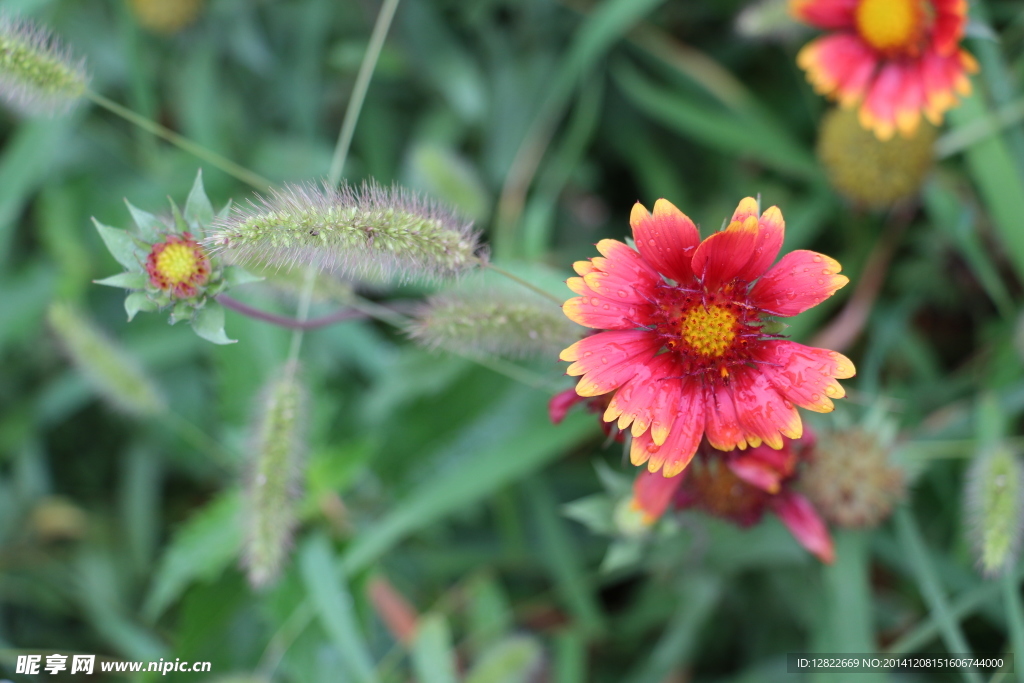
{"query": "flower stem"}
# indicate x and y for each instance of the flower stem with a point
(341, 148)
(231, 168)
(286, 322)
(524, 283)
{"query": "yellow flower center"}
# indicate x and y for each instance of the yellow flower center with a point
(892, 25)
(177, 262)
(709, 331)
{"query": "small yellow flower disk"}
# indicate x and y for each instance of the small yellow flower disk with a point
(166, 16)
(850, 479)
(867, 170)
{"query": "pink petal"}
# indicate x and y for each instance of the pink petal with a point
(644, 399)
(607, 360)
(826, 14)
(593, 310)
(561, 403)
(652, 493)
(806, 375)
(806, 525)
(686, 431)
(800, 280)
(761, 411)
(721, 423)
(723, 257)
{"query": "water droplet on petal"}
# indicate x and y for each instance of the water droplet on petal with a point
(817, 259)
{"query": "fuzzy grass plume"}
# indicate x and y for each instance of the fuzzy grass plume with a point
(107, 366)
(995, 509)
(277, 451)
(370, 232)
(37, 74)
(493, 322)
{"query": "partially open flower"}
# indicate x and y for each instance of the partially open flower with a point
(178, 266)
(892, 59)
(740, 486)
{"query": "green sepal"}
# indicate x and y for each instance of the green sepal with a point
(198, 209)
(622, 553)
(150, 227)
(139, 301)
(596, 512)
(208, 323)
(125, 281)
(236, 275)
(127, 250)
(180, 225)
(182, 311)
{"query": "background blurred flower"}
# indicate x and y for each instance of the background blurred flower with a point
(166, 16)
(740, 486)
(869, 171)
(722, 374)
(896, 59)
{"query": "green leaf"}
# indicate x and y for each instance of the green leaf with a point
(519, 447)
(512, 660)
(432, 657)
(138, 301)
(237, 275)
(127, 250)
(150, 227)
(208, 323)
(198, 210)
(125, 281)
(200, 550)
(333, 602)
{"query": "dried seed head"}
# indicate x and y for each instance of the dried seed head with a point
(870, 171)
(850, 479)
(37, 74)
(166, 16)
(373, 232)
(995, 509)
(277, 451)
(492, 321)
(108, 367)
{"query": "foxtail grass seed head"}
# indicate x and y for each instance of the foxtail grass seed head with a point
(995, 509)
(109, 368)
(37, 74)
(493, 322)
(166, 16)
(277, 452)
(869, 171)
(369, 232)
(850, 479)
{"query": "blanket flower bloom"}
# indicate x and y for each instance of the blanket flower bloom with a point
(683, 343)
(896, 59)
(178, 265)
(741, 486)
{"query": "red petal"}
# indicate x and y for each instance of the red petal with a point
(608, 360)
(800, 280)
(839, 65)
(561, 403)
(806, 525)
(622, 275)
(827, 14)
(653, 492)
(666, 239)
(590, 309)
(721, 423)
(645, 399)
(878, 113)
(763, 467)
(685, 434)
(806, 375)
(762, 412)
(723, 257)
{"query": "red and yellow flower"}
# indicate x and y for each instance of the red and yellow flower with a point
(740, 486)
(683, 344)
(895, 59)
(178, 265)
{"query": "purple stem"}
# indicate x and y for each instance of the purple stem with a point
(284, 321)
